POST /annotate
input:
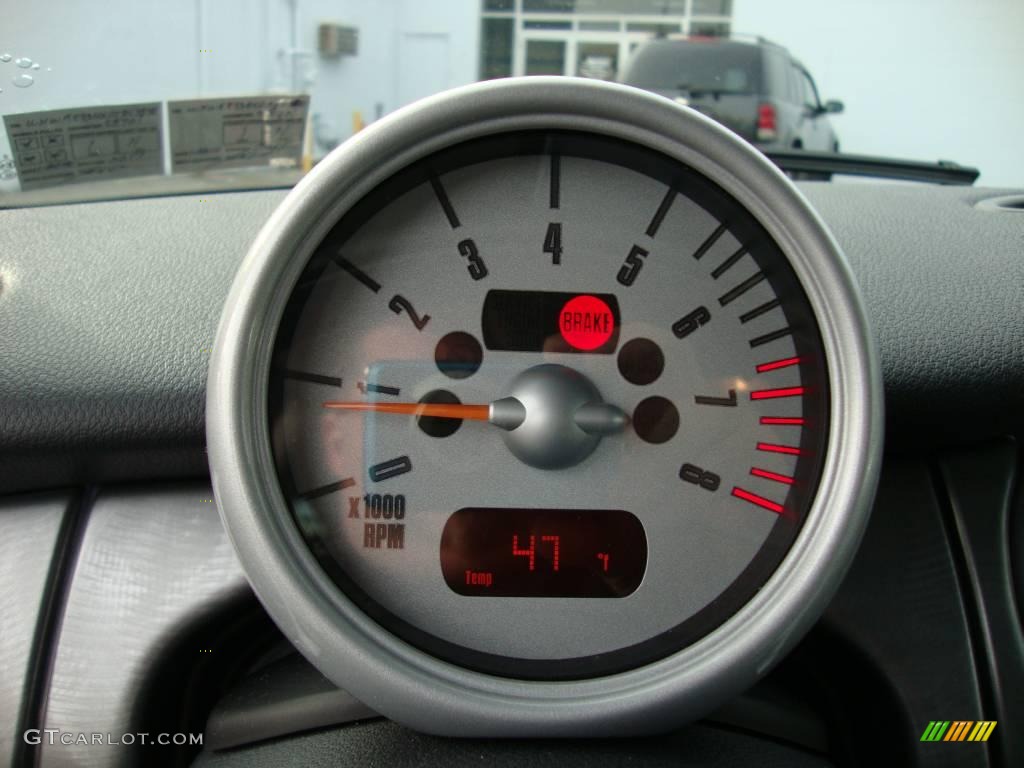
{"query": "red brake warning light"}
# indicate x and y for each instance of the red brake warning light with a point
(586, 322)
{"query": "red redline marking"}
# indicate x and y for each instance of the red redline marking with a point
(760, 501)
(783, 420)
(772, 448)
(758, 472)
(776, 364)
(768, 394)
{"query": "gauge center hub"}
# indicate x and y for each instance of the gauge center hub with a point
(565, 417)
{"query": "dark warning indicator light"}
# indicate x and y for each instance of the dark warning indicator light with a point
(586, 322)
(502, 552)
(551, 321)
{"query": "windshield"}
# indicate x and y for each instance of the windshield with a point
(133, 98)
(697, 67)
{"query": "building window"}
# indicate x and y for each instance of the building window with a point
(619, 7)
(541, 24)
(655, 29)
(549, 6)
(600, 26)
(709, 28)
(598, 61)
(712, 8)
(496, 41)
(588, 38)
(545, 57)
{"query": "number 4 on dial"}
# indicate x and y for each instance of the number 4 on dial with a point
(553, 242)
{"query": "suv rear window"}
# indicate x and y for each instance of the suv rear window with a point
(695, 67)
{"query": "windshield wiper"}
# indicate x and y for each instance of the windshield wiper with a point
(942, 172)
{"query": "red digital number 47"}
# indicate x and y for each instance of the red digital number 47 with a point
(554, 541)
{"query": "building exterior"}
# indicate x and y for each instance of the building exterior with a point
(897, 101)
(152, 50)
(586, 38)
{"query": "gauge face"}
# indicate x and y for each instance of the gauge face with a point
(548, 405)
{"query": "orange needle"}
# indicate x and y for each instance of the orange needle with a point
(437, 410)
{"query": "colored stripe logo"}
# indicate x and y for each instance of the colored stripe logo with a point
(958, 730)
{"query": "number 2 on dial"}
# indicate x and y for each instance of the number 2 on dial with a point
(400, 303)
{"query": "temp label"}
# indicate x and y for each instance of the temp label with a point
(479, 578)
(65, 146)
(239, 132)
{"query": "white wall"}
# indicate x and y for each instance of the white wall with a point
(386, 74)
(921, 79)
(95, 52)
(119, 51)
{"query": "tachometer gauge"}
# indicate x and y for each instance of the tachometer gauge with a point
(544, 405)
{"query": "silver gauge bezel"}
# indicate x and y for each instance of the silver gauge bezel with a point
(407, 684)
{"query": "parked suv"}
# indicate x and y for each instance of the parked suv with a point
(756, 88)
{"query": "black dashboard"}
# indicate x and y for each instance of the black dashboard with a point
(126, 608)
(111, 309)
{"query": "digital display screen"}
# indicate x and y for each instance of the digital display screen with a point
(502, 552)
(551, 321)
